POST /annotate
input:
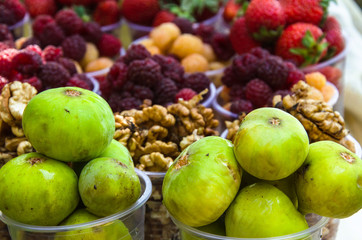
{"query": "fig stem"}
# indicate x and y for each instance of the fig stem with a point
(34, 160)
(275, 121)
(72, 93)
(347, 157)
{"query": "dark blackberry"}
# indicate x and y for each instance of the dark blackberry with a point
(74, 47)
(184, 25)
(136, 52)
(205, 32)
(170, 68)
(27, 62)
(142, 92)
(274, 72)
(197, 82)
(229, 78)
(245, 67)
(52, 34)
(259, 52)
(5, 34)
(39, 24)
(53, 75)
(6, 16)
(241, 106)
(17, 9)
(68, 64)
(294, 74)
(165, 91)
(258, 92)
(69, 21)
(144, 72)
(30, 41)
(237, 92)
(109, 45)
(117, 75)
(80, 80)
(91, 32)
(222, 47)
(119, 104)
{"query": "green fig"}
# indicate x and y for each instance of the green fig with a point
(107, 186)
(111, 231)
(202, 182)
(117, 151)
(329, 183)
(69, 124)
(261, 210)
(270, 144)
(37, 190)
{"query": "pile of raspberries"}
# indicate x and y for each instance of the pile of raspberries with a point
(137, 76)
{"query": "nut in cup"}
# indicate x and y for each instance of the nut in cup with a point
(132, 218)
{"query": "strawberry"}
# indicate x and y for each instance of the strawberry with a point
(331, 23)
(107, 13)
(231, 9)
(302, 44)
(163, 17)
(39, 7)
(265, 19)
(140, 11)
(240, 39)
(333, 32)
(310, 11)
(76, 2)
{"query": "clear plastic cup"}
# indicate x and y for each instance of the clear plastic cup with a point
(314, 232)
(112, 28)
(133, 218)
(18, 29)
(95, 85)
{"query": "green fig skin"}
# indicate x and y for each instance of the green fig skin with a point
(37, 190)
(329, 183)
(69, 124)
(108, 186)
(202, 182)
(270, 144)
(112, 231)
(117, 151)
(261, 210)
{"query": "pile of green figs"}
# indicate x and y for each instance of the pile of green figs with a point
(77, 174)
(265, 182)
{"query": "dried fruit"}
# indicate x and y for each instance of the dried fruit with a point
(195, 63)
(185, 45)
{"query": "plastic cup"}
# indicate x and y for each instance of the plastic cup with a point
(95, 85)
(133, 218)
(18, 29)
(111, 28)
(314, 232)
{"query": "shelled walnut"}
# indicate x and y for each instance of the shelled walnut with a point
(155, 135)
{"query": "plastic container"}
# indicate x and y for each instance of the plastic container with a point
(132, 218)
(112, 27)
(95, 85)
(314, 232)
(138, 30)
(18, 29)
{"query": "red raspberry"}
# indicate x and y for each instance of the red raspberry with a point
(4, 45)
(39, 24)
(165, 91)
(136, 52)
(34, 48)
(15, 8)
(229, 78)
(185, 94)
(142, 92)
(294, 74)
(104, 86)
(119, 104)
(171, 68)
(205, 32)
(144, 72)
(68, 64)
(274, 72)
(52, 53)
(117, 75)
(245, 67)
(52, 34)
(237, 92)
(91, 32)
(30, 41)
(6, 16)
(222, 46)
(74, 47)
(184, 25)
(53, 75)
(197, 82)
(6, 61)
(27, 62)
(258, 92)
(35, 82)
(259, 52)
(5, 34)
(77, 81)
(69, 21)
(109, 45)
(241, 106)
(3, 82)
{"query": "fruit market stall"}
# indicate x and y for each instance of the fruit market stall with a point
(179, 119)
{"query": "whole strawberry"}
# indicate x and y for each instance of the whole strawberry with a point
(163, 17)
(140, 11)
(302, 43)
(240, 39)
(334, 37)
(39, 7)
(265, 19)
(231, 10)
(107, 12)
(310, 11)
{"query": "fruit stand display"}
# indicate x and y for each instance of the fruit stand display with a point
(132, 140)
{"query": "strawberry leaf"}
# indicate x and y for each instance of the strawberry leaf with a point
(267, 35)
(308, 40)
